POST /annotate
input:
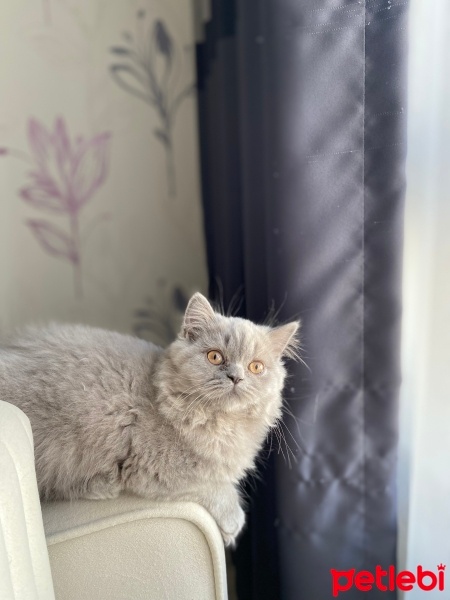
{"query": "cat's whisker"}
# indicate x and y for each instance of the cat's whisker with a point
(286, 457)
(299, 447)
(195, 395)
(270, 434)
(282, 438)
(203, 394)
(191, 406)
(276, 432)
(235, 303)
(286, 409)
(190, 390)
(288, 448)
(300, 359)
(244, 494)
(273, 313)
(220, 294)
(296, 420)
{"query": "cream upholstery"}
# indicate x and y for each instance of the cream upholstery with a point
(123, 549)
(24, 566)
(130, 548)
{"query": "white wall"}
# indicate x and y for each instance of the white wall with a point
(146, 239)
(424, 478)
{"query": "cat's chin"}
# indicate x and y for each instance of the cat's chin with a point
(234, 394)
(228, 393)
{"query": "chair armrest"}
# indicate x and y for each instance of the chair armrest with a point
(24, 565)
(129, 548)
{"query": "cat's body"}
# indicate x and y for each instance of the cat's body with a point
(113, 413)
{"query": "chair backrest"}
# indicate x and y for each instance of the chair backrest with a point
(24, 564)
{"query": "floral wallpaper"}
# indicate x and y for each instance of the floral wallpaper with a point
(138, 73)
(100, 213)
(66, 175)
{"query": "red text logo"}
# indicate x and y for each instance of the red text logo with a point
(387, 580)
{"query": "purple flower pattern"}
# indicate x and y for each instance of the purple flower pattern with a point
(146, 71)
(66, 176)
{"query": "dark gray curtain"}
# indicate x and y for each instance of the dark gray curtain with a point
(302, 119)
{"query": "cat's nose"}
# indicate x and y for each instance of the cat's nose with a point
(234, 378)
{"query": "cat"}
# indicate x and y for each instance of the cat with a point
(113, 413)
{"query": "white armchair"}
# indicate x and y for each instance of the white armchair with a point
(24, 565)
(123, 549)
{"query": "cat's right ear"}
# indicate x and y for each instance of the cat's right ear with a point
(199, 313)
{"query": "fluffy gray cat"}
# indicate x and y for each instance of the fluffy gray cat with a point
(113, 413)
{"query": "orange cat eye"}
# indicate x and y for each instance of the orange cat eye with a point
(214, 357)
(256, 367)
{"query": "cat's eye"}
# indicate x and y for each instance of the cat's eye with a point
(256, 367)
(214, 357)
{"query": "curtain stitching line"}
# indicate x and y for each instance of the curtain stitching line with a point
(363, 293)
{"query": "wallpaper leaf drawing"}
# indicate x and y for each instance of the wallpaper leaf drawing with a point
(54, 241)
(161, 319)
(145, 69)
(66, 175)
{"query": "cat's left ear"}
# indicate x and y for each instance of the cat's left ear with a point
(284, 339)
(199, 313)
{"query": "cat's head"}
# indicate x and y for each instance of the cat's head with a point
(228, 364)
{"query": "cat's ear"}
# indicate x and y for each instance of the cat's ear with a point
(199, 313)
(284, 339)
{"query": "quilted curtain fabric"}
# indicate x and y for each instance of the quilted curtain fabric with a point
(302, 109)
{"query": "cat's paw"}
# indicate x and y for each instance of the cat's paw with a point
(100, 488)
(101, 494)
(231, 525)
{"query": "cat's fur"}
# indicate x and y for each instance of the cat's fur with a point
(110, 412)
